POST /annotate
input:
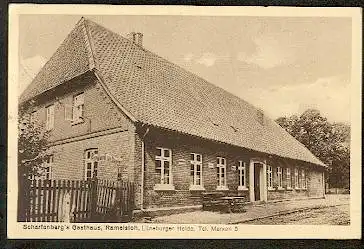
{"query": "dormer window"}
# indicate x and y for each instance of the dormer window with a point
(77, 108)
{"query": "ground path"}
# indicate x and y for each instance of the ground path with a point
(255, 212)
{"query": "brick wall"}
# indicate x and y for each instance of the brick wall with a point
(181, 147)
(100, 112)
(105, 128)
(68, 157)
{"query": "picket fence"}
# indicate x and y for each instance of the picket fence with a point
(89, 201)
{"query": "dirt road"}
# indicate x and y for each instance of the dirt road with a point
(338, 215)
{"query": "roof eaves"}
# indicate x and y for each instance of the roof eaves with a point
(321, 164)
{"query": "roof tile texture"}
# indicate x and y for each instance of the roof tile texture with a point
(162, 94)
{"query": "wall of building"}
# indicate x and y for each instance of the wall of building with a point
(181, 147)
(100, 112)
(105, 127)
(69, 157)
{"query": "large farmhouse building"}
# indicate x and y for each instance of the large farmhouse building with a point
(118, 111)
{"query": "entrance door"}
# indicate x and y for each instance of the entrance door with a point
(257, 168)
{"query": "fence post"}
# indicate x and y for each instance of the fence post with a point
(93, 199)
(23, 199)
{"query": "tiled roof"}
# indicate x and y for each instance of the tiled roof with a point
(160, 93)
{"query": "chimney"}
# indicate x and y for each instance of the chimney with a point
(136, 38)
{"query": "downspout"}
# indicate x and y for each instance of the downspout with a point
(143, 169)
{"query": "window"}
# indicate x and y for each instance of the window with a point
(163, 163)
(78, 107)
(221, 173)
(242, 175)
(288, 178)
(279, 177)
(303, 179)
(296, 178)
(196, 169)
(91, 163)
(47, 166)
(270, 177)
(50, 117)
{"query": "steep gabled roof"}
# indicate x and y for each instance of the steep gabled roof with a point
(160, 93)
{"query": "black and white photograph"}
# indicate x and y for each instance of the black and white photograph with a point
(209, 123)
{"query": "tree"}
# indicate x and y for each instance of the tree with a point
(330, 142)
(32, 152)
(32, 145)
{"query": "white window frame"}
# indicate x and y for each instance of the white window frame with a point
(93, 161)
(270, 177)
(78, 106)
(242, 176)
(195, 163)
(303, 179)
(162, 185)
(279, 177)
(296, 179)
(50, 117)
(288, 178)
(221, 170)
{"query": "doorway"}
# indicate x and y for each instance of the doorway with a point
(257, 178)
(257, 169)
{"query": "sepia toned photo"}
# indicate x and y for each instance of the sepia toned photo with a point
(168, 123)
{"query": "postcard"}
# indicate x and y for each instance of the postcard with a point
(184, 122)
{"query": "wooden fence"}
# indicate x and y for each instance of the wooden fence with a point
(83, 201)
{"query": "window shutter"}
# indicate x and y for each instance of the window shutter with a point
(68, 112)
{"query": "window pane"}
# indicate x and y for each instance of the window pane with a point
(88, 173)
(159, 152)
(218, 160)
(166, 179)
(95, 165)
(157, 164)
(198, 181)
(192, 167)
(95, 173)
(192, 157)
(166, 165)
(89, 166)
(166, 153)
(198, 166)
(198, 158)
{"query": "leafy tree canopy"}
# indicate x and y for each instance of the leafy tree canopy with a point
(330, 142)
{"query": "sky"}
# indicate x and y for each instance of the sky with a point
(283, 65)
